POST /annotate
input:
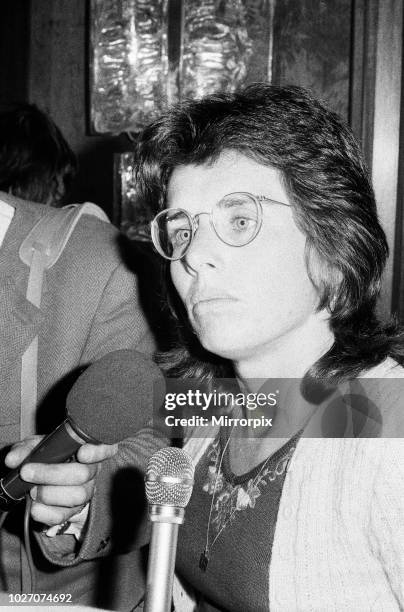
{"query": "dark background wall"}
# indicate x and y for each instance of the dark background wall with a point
(14, 48)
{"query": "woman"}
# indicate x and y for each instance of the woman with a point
(268, 221)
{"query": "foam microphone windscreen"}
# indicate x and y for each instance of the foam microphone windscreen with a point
(115, 396)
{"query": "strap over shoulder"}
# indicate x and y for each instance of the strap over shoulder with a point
(52, 232)
(40, 250)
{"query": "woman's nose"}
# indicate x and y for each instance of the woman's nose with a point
(205, 245)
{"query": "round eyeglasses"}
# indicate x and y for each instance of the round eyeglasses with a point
(236, 220)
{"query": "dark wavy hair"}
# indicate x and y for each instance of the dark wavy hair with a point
(328, 184)
(36, 162)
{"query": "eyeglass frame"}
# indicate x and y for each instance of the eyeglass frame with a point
(194, 225)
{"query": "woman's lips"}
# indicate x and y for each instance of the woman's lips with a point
(210, 303)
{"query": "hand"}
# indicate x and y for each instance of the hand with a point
(62, 489)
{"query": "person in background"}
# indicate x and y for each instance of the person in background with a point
(267, 220)
(89, 305)
(36, 162)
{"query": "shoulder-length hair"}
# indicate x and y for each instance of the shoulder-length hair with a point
(329, 187)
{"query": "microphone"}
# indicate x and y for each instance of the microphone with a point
(110, 401)
(169, 480)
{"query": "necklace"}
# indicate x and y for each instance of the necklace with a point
(205, 555)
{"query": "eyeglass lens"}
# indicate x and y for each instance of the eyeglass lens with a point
(235, 218)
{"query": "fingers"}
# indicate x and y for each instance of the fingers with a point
(95, 453)
(52, 515)
(62, 489)
(58, 474)
(53, 505)
(88, 453)
(21, 450)
(69, 497)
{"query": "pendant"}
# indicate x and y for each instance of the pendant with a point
(203, 561)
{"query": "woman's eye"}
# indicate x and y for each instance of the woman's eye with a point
(241, 223)
(180, 236)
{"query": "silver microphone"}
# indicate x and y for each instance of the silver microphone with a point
(169, 480)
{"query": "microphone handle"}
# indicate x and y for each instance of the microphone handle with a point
(54, 448)
(160, 571)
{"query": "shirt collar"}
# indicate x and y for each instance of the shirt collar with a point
(6, 216)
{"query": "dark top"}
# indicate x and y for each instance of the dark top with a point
(241, 530)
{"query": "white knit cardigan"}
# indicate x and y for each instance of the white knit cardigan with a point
(339, 538)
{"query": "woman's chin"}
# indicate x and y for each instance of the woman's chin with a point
(221, 344)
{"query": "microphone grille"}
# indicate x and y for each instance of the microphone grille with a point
(169, 478)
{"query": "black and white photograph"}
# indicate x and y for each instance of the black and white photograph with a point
(202, 305)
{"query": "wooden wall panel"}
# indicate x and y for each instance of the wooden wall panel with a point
(398, 268)
(386, 130)
(363, 73)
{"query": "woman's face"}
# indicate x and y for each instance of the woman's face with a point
(241, 300)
